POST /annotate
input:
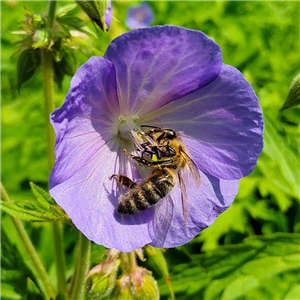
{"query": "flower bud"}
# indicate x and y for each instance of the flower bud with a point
(102, 279)
(99, 11)
(293, 97)
(41, 39)
(122, 289)
(38, 21)
(144, 286)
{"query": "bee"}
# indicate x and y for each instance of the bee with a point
(165, 154)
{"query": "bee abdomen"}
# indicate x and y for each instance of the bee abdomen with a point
(146, 194)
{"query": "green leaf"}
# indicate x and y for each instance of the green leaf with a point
(61, 296)
(293, 293)
(67, 19)
(28, 212)
(282, 168)
(244, 271)
(13, 270)
(40, 210)
(8, 292)
(293, 97)
(42, 196)
(233, 219)
(74, 24)
(66, 10)
(66, 66)
(28, 61)
(33, 292)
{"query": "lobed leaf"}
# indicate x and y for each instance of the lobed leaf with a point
(40, 210)
(28, 61)
(285, 171)
(13, 270)
(42, 196)
(29, 213)
(243, 271)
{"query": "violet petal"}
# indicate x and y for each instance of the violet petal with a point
(87, 155)
(168, 229)
(221, 125)
(158, 65)
(108, 15)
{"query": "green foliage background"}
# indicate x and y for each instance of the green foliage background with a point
(252, 249)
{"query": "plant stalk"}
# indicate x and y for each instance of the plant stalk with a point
(51, 12)
(132, 265)
(57, 228)
(48, 80)
(35, 264)
(81, 268)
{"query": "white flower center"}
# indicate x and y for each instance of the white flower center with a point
(128, 126)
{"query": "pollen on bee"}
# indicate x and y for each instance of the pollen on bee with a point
(154, 157)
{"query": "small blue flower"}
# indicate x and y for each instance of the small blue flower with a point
(140, 16)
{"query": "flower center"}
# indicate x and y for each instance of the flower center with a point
(128, 125)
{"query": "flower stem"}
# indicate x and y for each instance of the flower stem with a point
(81, 268)
(48, 78)
(57, 228)
(51, 12)
(132, 261)
(34, 261)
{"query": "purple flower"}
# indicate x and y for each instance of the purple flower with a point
(163, 76)
(140, 16)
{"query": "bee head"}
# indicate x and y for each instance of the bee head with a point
(169, 134)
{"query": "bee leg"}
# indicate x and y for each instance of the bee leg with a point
(123, 180)
(142, 161)
(138, 159)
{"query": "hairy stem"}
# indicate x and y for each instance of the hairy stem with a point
(48, 78)
(51, 12)
(81, 268)
(57, 228)
(132, 265)
(34, 263)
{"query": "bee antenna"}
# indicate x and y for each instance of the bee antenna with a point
(150, 126)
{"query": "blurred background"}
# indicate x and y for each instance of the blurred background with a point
(261, 39)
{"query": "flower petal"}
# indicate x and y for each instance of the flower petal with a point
(87, 155)
(160, 64)
(90, 200)
(108, 15)
(221, 125)
(204, 204)
(82, 124)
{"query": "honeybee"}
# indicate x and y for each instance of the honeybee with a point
(163, 152)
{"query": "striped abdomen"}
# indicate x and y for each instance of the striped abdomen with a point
(147, 192)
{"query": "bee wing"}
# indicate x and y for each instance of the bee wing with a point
(192, 168)
(193, 174)
(184, 197)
